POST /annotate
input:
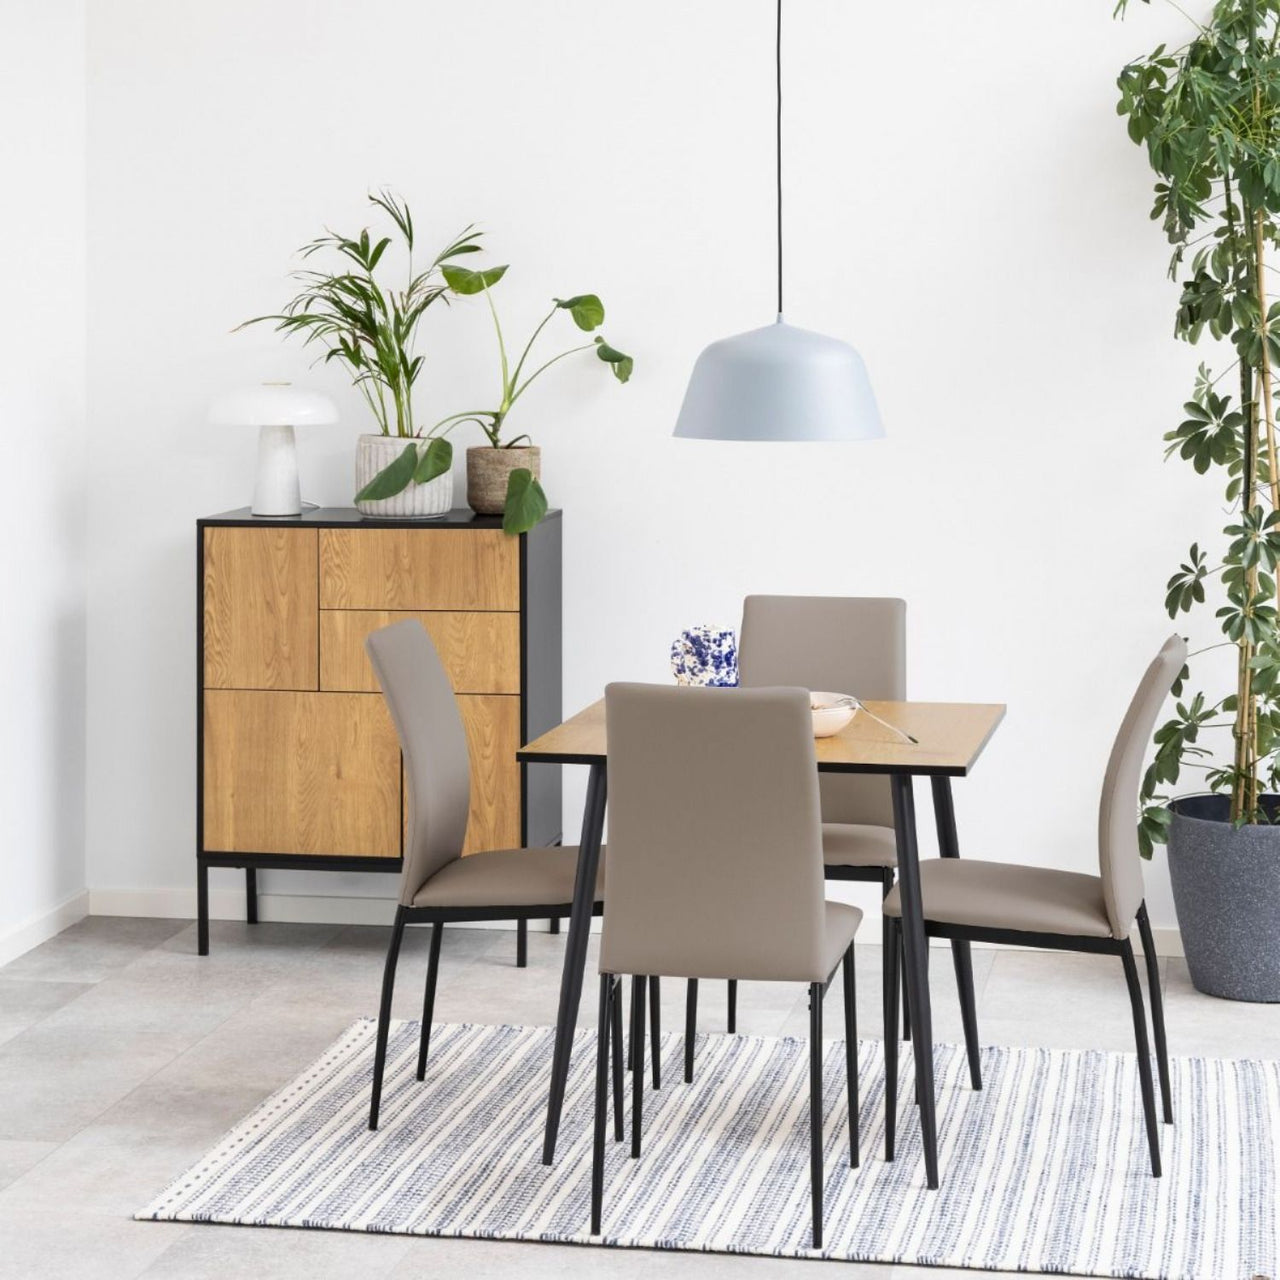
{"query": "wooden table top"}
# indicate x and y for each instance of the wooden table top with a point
(951, 736)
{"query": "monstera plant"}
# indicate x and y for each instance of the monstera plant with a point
(1208, 116)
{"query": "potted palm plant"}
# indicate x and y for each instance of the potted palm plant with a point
(371, 328)
(503, 476)
(1208, 115)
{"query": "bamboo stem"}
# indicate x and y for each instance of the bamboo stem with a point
(1265, 365)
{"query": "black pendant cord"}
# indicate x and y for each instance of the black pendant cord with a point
(778, 61)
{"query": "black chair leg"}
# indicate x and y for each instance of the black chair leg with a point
(1157, 1010)
(619, 1077)
(886, 941)
(851, 1052)
(603, 1026)
(962, 957)
(815, 1107)
(891, 953)
(637, 1062)
(384, 1014)
(522, 944)
(429, 997)
(655, 996)
(1144, 1055)
(690, 1027)
(733, 1007)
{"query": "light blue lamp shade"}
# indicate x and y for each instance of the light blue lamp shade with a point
(779, 383)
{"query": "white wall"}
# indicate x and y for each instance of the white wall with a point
(963, 205)
(43, 457)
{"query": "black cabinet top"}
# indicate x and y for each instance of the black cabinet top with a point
(340, 517)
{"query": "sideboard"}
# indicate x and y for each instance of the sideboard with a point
(297, 761)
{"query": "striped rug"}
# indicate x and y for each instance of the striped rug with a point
(1045, 1170)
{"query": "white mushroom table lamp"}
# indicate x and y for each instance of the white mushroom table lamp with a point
(275, 408)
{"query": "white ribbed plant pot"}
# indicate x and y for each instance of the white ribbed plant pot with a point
(417, 502)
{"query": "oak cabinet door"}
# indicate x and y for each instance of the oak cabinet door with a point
(261, 612)
(307, 773)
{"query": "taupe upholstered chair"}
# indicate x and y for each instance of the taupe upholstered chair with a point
(437, 884)
(844, 644)
(1065, 910)
(715, 870)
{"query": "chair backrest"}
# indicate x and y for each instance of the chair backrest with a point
(842, 644)
(715, 836)
(1119, 859)
(434, 744)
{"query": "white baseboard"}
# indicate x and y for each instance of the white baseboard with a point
(307, 908)
(31, 933)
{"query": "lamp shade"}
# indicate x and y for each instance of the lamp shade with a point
(779, 383)
(273, 404)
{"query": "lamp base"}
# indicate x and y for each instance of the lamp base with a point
(275, 490)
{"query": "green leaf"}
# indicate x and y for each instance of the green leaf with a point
(465, 282)
(526, 503)
(586, 309)
(436, 459)
(622, 364)
(392, 479)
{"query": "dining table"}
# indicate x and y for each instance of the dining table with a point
(903, 740)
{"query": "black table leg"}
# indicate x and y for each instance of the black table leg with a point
(575, 952)
(917, 968)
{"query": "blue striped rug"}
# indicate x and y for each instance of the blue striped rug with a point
(1045, 1170)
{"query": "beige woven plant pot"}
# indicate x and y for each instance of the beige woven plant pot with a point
(487, 473)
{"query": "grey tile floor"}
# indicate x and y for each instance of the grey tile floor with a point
(124, 1056)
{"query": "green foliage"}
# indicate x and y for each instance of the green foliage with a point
(1208, 116)
(526, 504)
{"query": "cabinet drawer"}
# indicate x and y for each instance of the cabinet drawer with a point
(260, 608)
(419, 569)
(480, 651)
(308, 773)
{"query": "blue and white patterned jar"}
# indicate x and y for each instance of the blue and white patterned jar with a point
(706, 656)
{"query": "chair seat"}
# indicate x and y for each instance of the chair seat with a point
(852, 844)
(841, 922)
(1003, 895)
(507, 878)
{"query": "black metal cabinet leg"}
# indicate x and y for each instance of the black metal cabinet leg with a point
(655, 998)
(815, 1107)
(690, 1027)
(637, 1062)
(1157, 1010)
(575, 953)
(429, 997)
(915, 954)
(202, 907)
(522, 944)
(891, 1040)
(604, 1023)
(555, 924)
(944, 813)
(251, 894)
(384, 1014)
(732, 1020)
(1144, 1055)
(615, 1040)
(851, 1052)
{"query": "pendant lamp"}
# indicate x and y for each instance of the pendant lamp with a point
(779, 382)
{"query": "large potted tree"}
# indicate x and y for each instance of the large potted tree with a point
(1208, 115)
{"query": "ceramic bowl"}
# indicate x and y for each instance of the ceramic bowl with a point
(830, 713)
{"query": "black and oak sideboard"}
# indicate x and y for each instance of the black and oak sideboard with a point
(297, 761)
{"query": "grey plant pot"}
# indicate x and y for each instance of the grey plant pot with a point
(1226, 887)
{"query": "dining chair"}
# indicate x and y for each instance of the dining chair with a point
(437, 885)
(715, 870)
(1014, 905)
(844, 644)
